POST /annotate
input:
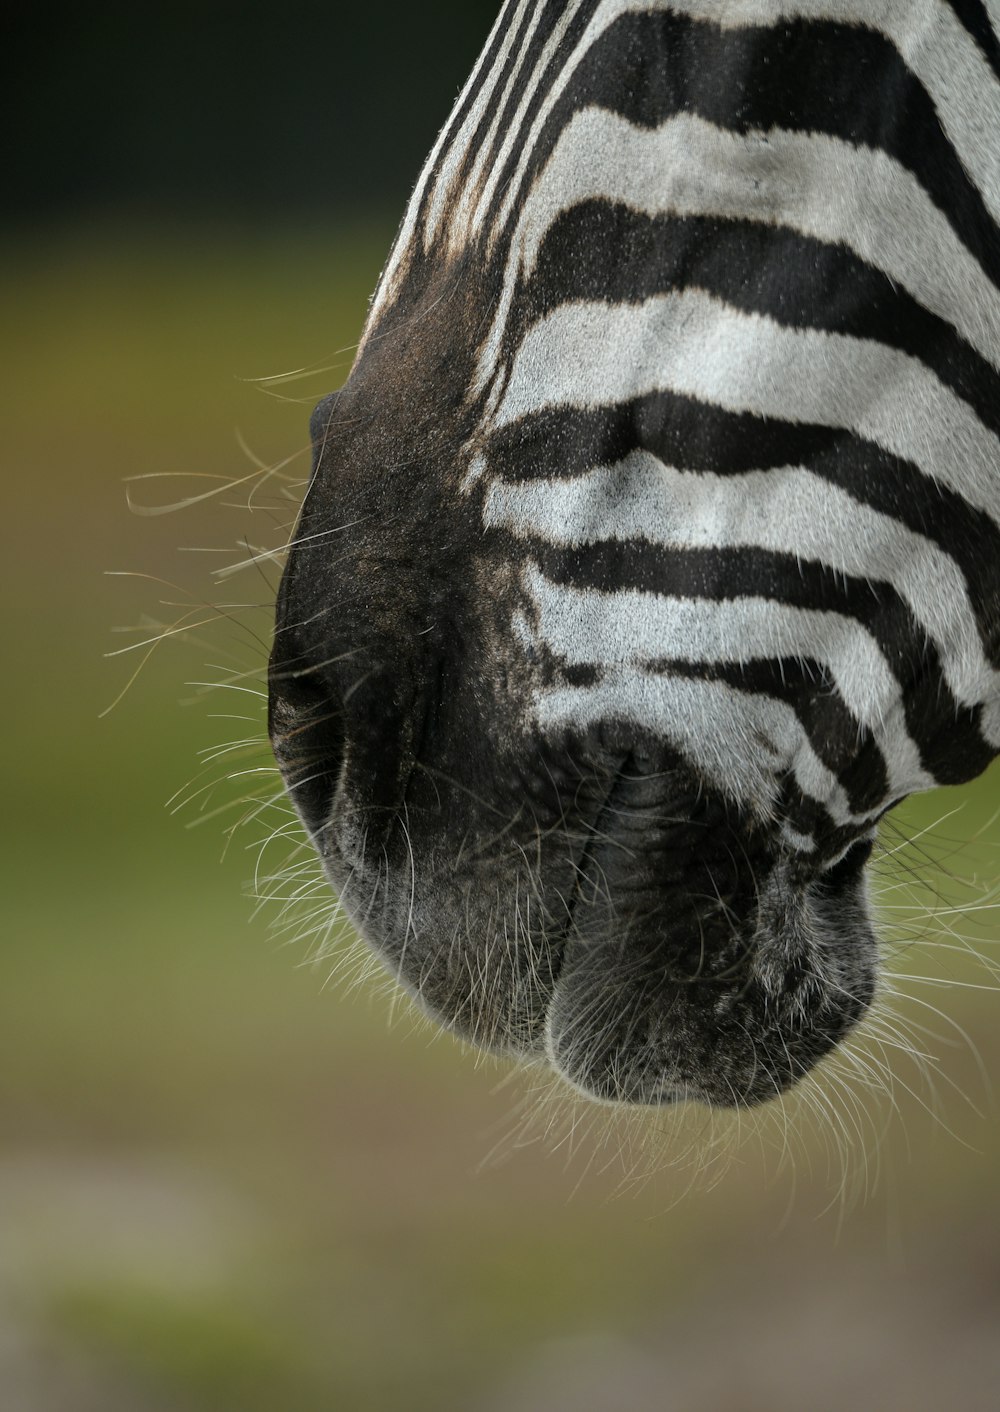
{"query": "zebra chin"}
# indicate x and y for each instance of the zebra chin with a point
(697, 959)
(647, 943)
(640, 1001)
(631, 1021)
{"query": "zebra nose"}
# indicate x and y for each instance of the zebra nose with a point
(307, 737)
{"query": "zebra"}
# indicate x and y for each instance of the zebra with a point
(651, 549)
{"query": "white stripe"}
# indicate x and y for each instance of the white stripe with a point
(590, 354)
(989, 724)
(798, 842)
(942, 55)
(787, 510)
(742, 742)
(935, 46)
(629, 629)
(928, 36)
(512, 137)
(828, 189)
(460, 224)
(604, 16)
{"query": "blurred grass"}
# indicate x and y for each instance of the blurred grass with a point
(220, 1181)
(204, 1348)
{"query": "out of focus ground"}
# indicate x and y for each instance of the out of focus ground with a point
(226, 1186)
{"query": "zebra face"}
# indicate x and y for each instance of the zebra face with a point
(651, 552)
(583, 896)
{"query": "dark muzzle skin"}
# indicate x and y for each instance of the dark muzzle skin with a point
(702, 964)
(584, 899)
(578, 896)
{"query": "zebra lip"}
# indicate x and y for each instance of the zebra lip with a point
(558, 940)
(598, 830)
(642, 797)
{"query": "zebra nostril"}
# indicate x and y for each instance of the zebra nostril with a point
(307, 736)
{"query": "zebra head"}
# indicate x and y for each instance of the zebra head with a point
(651, 548)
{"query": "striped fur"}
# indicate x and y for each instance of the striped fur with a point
(675, 426)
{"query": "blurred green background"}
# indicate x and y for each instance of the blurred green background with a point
(226, 1184)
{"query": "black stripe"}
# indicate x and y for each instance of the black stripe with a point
(839, 741)
(810, 817)
(972, 16)
(697, 436)
(574, 32)
(808, 76)
(805, 686)
(946, 735)
(608, 252)
(515, 56)
(519, 55)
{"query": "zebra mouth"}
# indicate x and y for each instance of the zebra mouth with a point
(684, 956)
(727, 1005)
(645, 1036)
(686, 966)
